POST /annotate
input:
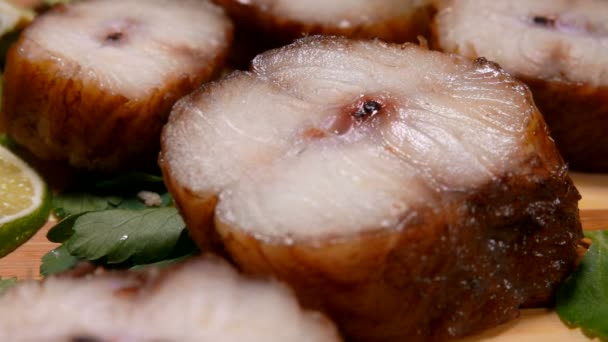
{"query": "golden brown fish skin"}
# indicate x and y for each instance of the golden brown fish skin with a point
(399, 29)
(73, 120)
(399, 285)
(577, 116)
(275, 30)
(199, 211)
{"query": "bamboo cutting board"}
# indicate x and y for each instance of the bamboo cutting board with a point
(534, 325)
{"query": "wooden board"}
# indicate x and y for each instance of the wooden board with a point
(532, 326)
(24, 263)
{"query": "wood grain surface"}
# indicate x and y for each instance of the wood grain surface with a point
(533, 325)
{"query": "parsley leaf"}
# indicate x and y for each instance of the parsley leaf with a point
(69, 207)
(108, 221)
(118, 235)
(582, 301)
(63, 229)
(7, 283)
(78, 203)
(55, 2)
(57, 261)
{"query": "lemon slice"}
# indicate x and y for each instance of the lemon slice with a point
(24, 202)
